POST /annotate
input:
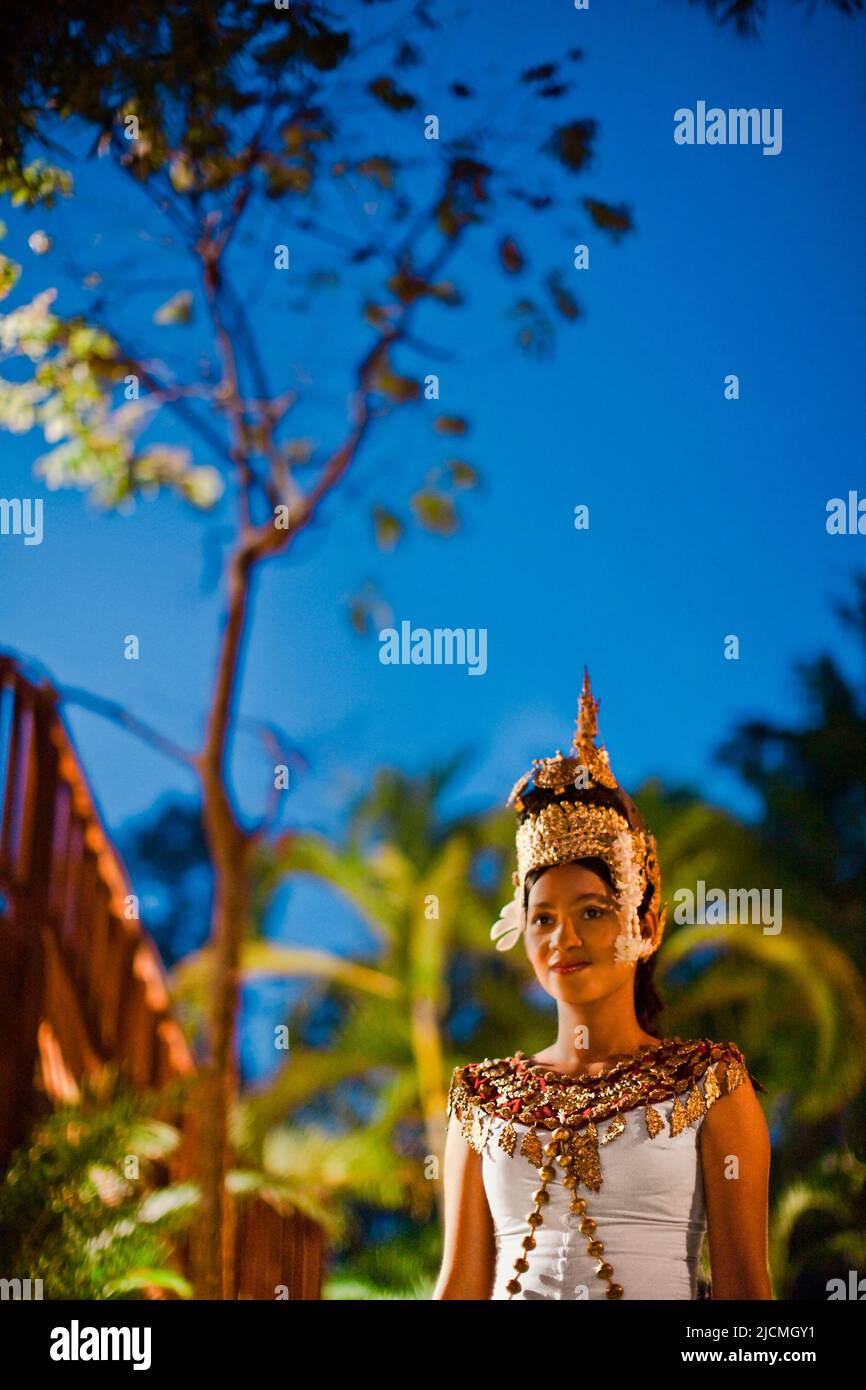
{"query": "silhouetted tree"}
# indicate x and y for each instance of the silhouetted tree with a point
(215, 110)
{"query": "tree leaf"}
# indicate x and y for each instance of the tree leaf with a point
(462, 474)
(150, 1278)
(446, 292)
(389, 383)
(563, 298)
(539, 74)
(408, 287)
(609, 218)
(9, 274)
(435, 511)
(378, 168)
(385, 89)
(510, 255)
(389, 528)
(178, 309)
(572, 144)
(535, 331)
(450, 424)
(181, 173)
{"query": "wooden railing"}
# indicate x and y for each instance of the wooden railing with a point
(81, 982)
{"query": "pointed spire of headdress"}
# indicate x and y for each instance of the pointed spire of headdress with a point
(586, 727)
(584, 748)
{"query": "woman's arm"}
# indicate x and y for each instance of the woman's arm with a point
(734, 1145)
(469, 1254)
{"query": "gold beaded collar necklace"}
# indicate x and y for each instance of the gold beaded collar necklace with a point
(495, 1095)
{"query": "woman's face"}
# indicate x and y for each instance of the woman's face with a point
(572, 921)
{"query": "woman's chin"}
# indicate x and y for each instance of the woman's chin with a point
(574, 987)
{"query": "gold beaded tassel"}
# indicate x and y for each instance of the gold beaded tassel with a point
(557, 1151)
(546, 1174)
(594, 1247)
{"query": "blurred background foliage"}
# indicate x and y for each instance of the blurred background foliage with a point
(76, 1215)
(352, 1122)
(349, 1128)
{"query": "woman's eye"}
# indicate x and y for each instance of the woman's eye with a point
(542, 919)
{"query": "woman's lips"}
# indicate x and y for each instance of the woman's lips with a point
(570, 969)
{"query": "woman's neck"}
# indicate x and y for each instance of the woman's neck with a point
(594, 1036)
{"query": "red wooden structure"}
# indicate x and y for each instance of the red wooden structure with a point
(81, 982)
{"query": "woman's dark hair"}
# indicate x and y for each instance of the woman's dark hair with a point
(648, 1005)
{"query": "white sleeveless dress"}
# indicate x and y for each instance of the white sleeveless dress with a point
(649, 1214)
(604, 1172)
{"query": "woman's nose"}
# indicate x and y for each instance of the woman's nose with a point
(567, 929)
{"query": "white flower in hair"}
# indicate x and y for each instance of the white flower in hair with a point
(629, 945)
(506, 931)
(628, 950)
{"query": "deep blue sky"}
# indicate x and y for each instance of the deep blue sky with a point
(707, 517)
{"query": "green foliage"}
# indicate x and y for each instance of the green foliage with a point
(403, 1267)
(9, 273)
(185, 67)
(211, 109)
(71, 1217)
(30, 184)
(817, 1225)
(77, 369)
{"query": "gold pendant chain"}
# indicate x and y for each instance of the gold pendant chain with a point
(556, 1152)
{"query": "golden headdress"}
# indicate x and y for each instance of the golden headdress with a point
(572, 807)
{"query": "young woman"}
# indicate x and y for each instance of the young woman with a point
(594, 1168)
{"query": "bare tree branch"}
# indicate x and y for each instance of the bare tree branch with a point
(110, 709)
